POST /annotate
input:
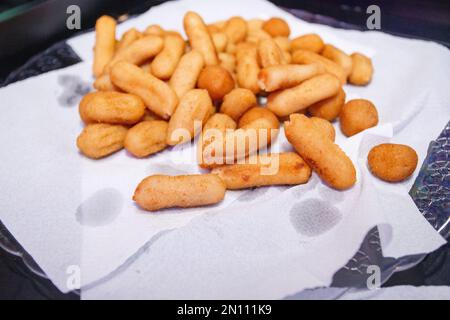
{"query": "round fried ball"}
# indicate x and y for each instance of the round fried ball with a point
(325, 127)
(329, 108)
(358, 115)
(217, 81)
(277, 27)
(392, 162)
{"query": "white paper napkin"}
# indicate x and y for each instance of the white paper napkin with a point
(67, 210)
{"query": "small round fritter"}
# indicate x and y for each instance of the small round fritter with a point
(217, 80)
(358, 115)
(392, 162)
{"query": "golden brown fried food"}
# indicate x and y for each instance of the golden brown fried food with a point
(257, 128)
(156, 94)
(103, 83)
(237, 102)
(146, 138)
(187, 72)
(247, 67)
(392, 162)
(330, 108)
(362, 70)
(105, 43)
(311, 42)
(228, 61)
(127, 38)
(159, 192)
(283, 43)
(138, 52)
(236, 30)
(154, 30)
(292, 100)
(265, 170)
(220, 40)
(199, 38)
(321, 153)
(164, 64)
(111, 107)
(287, 76)
(100, 140)
(338, 56)
(358, 115)
(215, 128)
(325, 127)
(217, 81)
(307, 57)
(195, 106)
(277, 27)
(269, 53)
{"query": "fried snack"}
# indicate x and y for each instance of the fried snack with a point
(292, 100)
(164, 64)
(255, 33)
(199, 38)
(217, 80)
(186, 73)
(111, 108)
(258, 127)
(147, 67)
(255, 24)
(283, 43)
(307, 57)
(218, 26)
(146, 138)
(392, 162)
(127, 38)
(105, 43)
(156, 94)
(159, 192)
(265, 170)
(220, 40)
(227, 61)
(248, 67)
(214, 128)
(330, 108)
(340, 57)
(195, 106)
(138, 52)
(277, 27)
(310, 42)
(269, 53)
(236, 30)
(322, 154)
(237, 102)
(325, 127)
(100, 140)
(150, 116)
(103, 83)
(154, 30)
(362, 70)
(358, 115)
(287, 76)
(287, 58)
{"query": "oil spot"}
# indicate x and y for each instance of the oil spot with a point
(73, 90)
(252, 194)
(100, 209)
(314, 217)
(330, 194)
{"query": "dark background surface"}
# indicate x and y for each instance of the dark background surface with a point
(28, 27)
